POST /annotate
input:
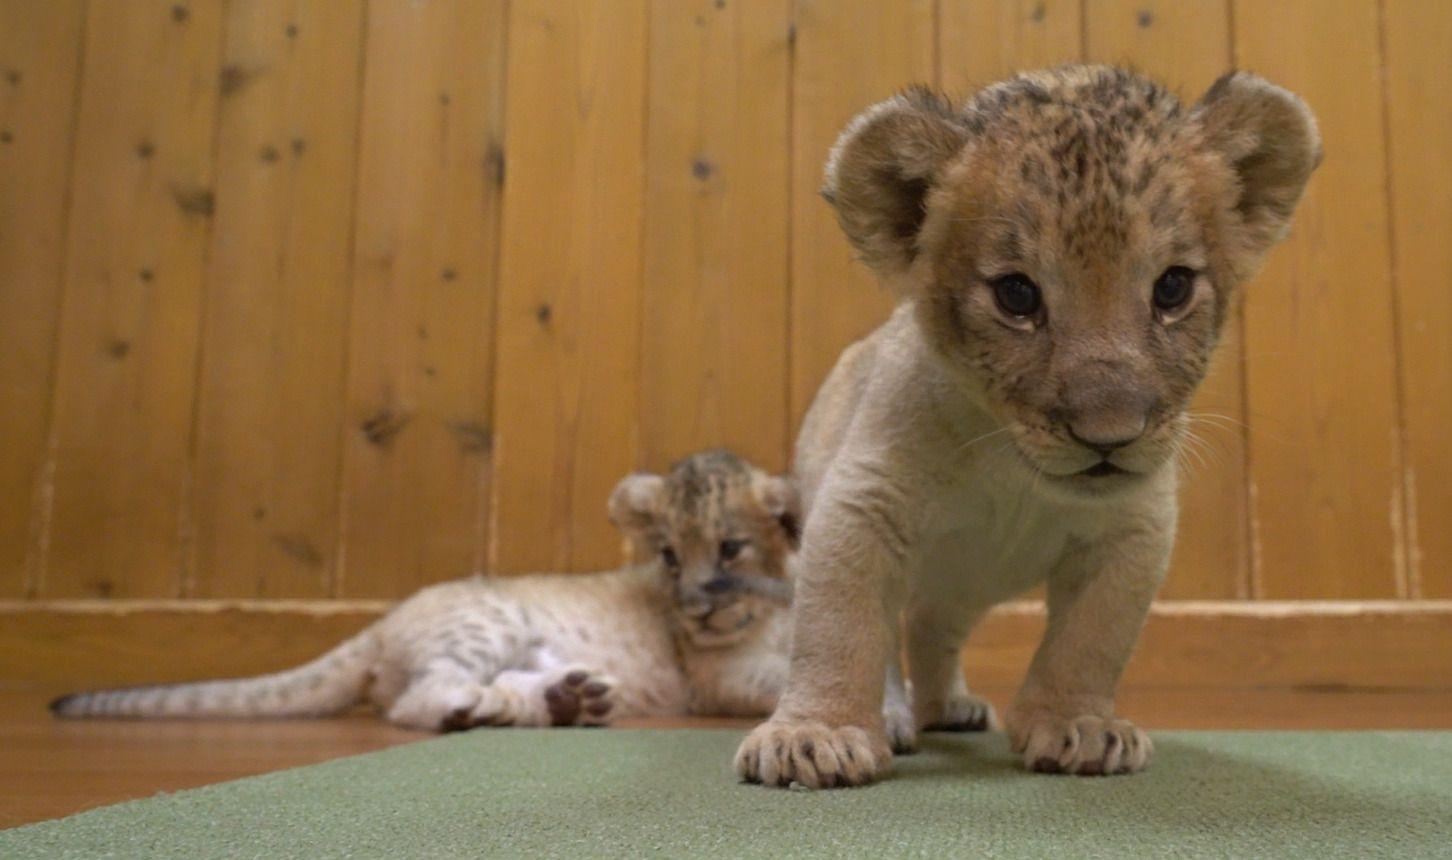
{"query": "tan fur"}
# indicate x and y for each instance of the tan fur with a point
(962, 454)
(709, 636)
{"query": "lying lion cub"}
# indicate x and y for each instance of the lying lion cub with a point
(1067, 247)
(701, 628)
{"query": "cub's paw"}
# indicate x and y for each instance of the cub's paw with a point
(812, 754)
(962, 713)
(497, 707)
(902, 730)
(581, 697)
(1085, 746)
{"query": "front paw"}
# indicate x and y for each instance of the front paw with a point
(1085, 745)
(961, 713)
(902, 730)
(781, 752)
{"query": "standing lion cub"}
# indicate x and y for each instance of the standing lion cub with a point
(700, 628)
(1066, 246)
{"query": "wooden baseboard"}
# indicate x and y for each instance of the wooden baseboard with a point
(1391, 645)
(1388, 645)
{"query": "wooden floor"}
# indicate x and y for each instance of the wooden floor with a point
(52, 768)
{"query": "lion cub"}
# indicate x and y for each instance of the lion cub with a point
(701, 628)
(1066, 246)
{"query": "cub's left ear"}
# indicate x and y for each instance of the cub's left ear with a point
(637, 502)
(777, 495)
(1268, 138)
(881, 168)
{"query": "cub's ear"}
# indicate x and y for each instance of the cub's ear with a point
(778, 496)
(1268, 138)
(881, 168)
(637, 502)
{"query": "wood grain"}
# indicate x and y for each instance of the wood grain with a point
(1325, 460)
(1387, 645)
(983, 41)
(1419, 125)
(40, 48)
(713, 366)
(52, 768)
(419, 415)
(1186, 46)
(570, 282)
(275, 334)
(141, 213)
(848, 57)
(119, 642)
(204, 323)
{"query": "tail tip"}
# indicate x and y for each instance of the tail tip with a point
(65, 706)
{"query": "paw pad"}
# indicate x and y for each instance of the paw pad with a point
(580, 697)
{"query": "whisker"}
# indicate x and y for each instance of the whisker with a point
(971, 442)
(1210, 416)
(1202, 447)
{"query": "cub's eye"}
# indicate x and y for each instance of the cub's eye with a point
(1017, 296)
(1173, 289)
(668, 555)
(731, 548)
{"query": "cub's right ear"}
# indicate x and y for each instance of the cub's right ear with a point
(881, 169)
(637, 502)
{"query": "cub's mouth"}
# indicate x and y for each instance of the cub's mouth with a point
(1103, 469)
(1101, 479)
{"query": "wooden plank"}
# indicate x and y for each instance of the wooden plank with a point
(40, 46)
(141, 210)
(714, 333)
(275, 334)
(1326, 483)
(1418, 66)
(118, 642)
(848, 58)
(983, 41)
(1379, 645)
(417, 441)
(53, 769)
(1186, 46)
(570, 281)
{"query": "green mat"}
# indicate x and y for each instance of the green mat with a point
(580, 794)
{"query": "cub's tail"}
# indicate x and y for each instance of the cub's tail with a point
(327, 685)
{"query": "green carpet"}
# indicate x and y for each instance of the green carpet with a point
(581, 794)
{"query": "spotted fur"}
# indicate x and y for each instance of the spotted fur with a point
(558, 649)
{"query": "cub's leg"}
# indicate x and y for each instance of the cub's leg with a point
(440, 698)
(448, 700)
(447, 681)
(941, 701)
(828, 728)
(897, 702)
(1063, 719)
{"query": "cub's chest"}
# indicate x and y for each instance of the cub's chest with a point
(999, 541)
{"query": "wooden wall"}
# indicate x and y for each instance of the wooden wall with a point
(328, 299)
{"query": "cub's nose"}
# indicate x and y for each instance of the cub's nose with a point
(1104, 438)
(1105, 419)
(719, 585)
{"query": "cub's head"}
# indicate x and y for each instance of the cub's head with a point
(1072, 240)
(721, 528)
